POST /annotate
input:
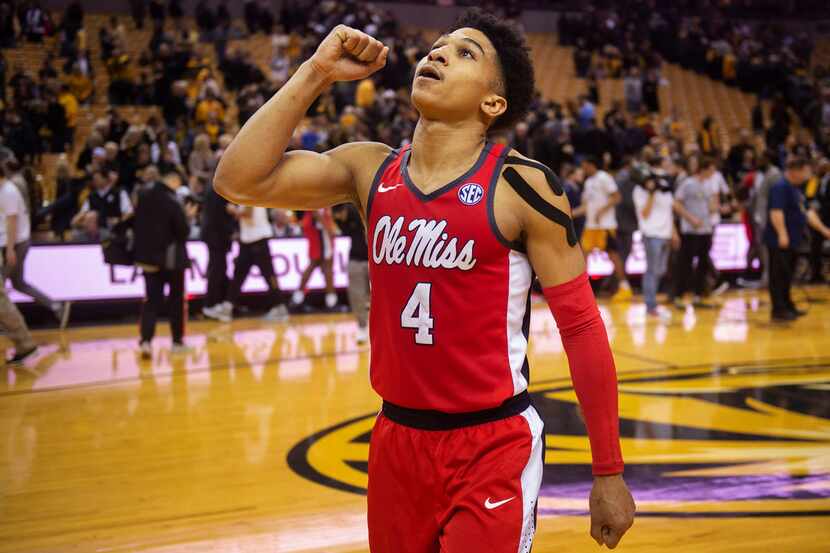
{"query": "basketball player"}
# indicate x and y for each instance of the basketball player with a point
(456, 227)
(318, 228)
(255, 233)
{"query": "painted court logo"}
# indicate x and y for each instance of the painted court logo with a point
(471, 193)
(734, 441)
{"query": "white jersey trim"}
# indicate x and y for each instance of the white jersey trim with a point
(532, 478)
(519, 281)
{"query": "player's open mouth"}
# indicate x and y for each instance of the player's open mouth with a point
(429, 72)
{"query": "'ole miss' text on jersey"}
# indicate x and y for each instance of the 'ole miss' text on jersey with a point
(450, 297)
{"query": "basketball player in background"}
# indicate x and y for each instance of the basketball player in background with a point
(255, 233)
(318, 228)
(457, 226)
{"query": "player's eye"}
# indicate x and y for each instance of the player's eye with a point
(466, 53)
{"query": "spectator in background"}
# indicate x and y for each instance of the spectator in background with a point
(737, 152)
(601, 197)
(766, 175)
(651, 87)
(122, 84)
(67, 194)
(625, 211)
(15, 239)
(202, 163)
(587, 113)
(174, 107)
(160, 251)
(572, 179)
(209, 106)
(284, 227)
(36, 23)
(351, 225)
(11, 321)
(759, 125)
(218, 226)
(653, 201)
(80, 85)
(633, 89)
(70, 106)
(783, 234)
(109, 202)
(255, 233)
(708, 138)
(694, 203)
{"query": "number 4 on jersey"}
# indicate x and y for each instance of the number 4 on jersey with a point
(416, 314)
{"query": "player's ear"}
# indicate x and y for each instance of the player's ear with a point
(493, 105)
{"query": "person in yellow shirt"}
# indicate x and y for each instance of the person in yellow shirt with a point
(70, 108)
(209, 106)
(79, 84)
(365, 95)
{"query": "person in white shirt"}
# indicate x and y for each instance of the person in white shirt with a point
(12, 321)
(15, 239)
(654, 203)
(599, 199)
(255, 233)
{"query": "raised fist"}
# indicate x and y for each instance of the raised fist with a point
(347, 54)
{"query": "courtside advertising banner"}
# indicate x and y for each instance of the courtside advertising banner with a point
(77, 272)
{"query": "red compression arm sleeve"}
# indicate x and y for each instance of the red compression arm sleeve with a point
(592, 368)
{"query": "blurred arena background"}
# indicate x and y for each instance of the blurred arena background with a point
(253, 436)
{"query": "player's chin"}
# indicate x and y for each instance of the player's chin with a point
(425, 96)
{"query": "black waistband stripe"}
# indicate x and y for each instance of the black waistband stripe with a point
(436, 420)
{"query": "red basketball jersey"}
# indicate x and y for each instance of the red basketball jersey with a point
(450, 303)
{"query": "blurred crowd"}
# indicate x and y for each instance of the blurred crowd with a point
(204, 84)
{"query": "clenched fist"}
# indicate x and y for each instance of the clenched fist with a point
(347, 54)
(612, 510)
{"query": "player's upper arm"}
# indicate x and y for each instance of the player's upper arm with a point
(309, 180)
(550, 240)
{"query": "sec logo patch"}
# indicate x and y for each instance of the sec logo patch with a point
(471, 193)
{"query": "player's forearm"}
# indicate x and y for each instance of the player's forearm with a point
(258, 149)
(592, 369)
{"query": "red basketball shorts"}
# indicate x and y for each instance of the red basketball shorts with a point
(472, 489)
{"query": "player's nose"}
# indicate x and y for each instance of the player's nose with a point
(438, 55)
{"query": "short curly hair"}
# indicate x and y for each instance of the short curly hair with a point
(515, 65)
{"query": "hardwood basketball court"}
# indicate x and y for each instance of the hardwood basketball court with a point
(257, 442)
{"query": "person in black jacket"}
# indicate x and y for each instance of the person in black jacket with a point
(161, 231)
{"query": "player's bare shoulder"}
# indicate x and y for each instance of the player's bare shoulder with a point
(363, 160)
(529, 195)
